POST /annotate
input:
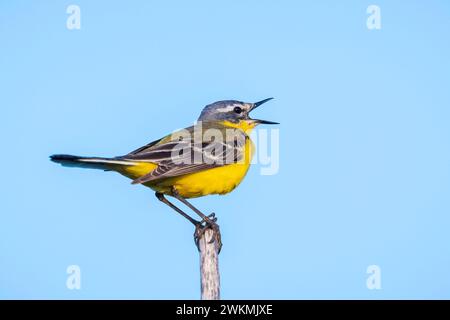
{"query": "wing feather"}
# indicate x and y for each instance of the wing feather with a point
(181, 157)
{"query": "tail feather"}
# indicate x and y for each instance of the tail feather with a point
(87, 162)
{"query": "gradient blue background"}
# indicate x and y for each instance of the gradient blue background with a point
(364, 166)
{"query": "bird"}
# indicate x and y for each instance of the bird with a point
(210, 157)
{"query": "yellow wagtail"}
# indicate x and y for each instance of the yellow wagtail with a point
(211, 157)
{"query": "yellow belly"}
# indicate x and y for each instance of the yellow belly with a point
(219, 180)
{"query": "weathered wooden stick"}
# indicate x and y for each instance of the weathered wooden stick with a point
(209, 266)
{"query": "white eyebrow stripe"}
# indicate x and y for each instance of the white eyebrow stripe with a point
(225, 109)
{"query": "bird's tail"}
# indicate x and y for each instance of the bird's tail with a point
(88, 162)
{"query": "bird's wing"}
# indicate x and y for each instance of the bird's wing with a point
(179, 157)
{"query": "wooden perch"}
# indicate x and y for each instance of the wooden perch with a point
(209, 266)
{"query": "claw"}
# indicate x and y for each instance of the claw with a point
(209, 219)
(200, 230)
(217, 236)
(198, 233)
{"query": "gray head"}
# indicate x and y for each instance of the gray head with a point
(233, 111)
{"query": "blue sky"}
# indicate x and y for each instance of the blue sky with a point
(364, 173)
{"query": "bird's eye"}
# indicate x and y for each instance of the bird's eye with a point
(237, 110)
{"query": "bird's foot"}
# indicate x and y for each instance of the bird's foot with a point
(201, 227)
(209, 218)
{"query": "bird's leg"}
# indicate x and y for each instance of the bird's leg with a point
(210, 222)
(199, 228)
(163, 199)
(207, 219)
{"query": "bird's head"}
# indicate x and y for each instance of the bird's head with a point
(235, 112)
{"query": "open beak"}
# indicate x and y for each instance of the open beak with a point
(256, 105)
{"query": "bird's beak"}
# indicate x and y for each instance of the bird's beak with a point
(256, 105)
